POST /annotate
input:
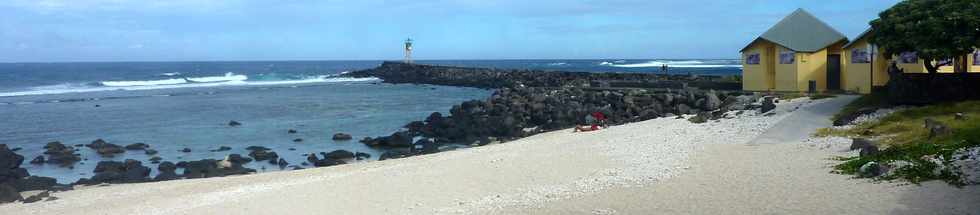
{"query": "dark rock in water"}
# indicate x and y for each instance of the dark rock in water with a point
(394, 154)
(362, 155)
(37, 198)
(425, 146)
(54, 146)
(292, 149)
(156, 159)
(338, 154)
(398, 139)
(936, 128)
(261, 155)
(65, 157)
(234, 123)
(323, 162)
(151, 152)
(291, 131)
(186, 150)
(9, 194)
(38, 160)
(137, 146)
(256, 148)
(298, 140)
(10, 165)
(282, 163)
(209, 168)
(35, 183)
(105, 149)
(768, 104)
(342, 136)
(238, 159)
(221, 149)
(130, 171)
(167, 172)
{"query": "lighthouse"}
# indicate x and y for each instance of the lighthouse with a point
(408, 50)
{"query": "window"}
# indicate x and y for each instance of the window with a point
(908, 57)
(976, 58)
(752, 59)
(860, 56)
(787, 57)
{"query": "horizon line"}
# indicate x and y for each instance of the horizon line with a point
(464, 59)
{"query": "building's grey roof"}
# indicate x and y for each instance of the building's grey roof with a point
(802, 32)
(858, 38)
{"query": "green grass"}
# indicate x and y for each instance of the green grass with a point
(903, 137)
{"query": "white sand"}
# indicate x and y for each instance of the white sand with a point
(656, 166)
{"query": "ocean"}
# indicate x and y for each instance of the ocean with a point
(176, 105)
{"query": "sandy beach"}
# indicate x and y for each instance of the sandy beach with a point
(659, 166)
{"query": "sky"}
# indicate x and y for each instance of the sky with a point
(242, 30)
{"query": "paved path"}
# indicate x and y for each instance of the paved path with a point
(803, 122)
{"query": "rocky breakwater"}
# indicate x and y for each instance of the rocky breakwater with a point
(529, 102)
(14, 179)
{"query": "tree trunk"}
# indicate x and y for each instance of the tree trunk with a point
(931, 68)
(961, 66)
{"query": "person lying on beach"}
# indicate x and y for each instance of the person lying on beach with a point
(583, 128)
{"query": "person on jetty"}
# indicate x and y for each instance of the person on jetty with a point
(596, 120)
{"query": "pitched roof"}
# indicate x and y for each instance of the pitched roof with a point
(858, 38)
(802, 32)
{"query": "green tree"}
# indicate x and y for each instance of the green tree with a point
(934, 29)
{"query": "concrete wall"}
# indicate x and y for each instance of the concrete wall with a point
(755, 77)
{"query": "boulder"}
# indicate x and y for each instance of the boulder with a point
(35, 183)
(221, 149)
(151, 152)
(861, 143)
(38, 197)
(700, 118)
(9, 194)
(256, 148)
(167, 172)
(137, 146)
(394, 154)
(234, 123)
(712, 102)
(870, 169)
(291, 131)
(936, 128)
(282, 163)
(325, 162)
(425, 146)
(298, 140)
(186, 150)
(338, 154)
(768, 104)
(362, 155)
(104, 148)
(209, 168)
(238, 159)
(10, 165)
(869, 150)
(261, 155)
(342, 136)
(38, 160)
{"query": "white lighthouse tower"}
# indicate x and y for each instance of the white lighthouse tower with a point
(408, 50)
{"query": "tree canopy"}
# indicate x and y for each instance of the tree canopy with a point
(934, 29)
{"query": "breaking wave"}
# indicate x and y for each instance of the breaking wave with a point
(229, 79)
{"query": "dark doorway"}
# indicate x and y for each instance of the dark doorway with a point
(833, 72)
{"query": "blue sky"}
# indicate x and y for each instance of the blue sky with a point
(192, 30)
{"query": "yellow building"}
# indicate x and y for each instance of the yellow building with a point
(798, 50)
(865, 66)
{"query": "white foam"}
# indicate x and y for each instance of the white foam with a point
(143, 83)
(76, 88)
(676, 64)
(170, 74)
(227, 77)
(604, 63)
(558, 64)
